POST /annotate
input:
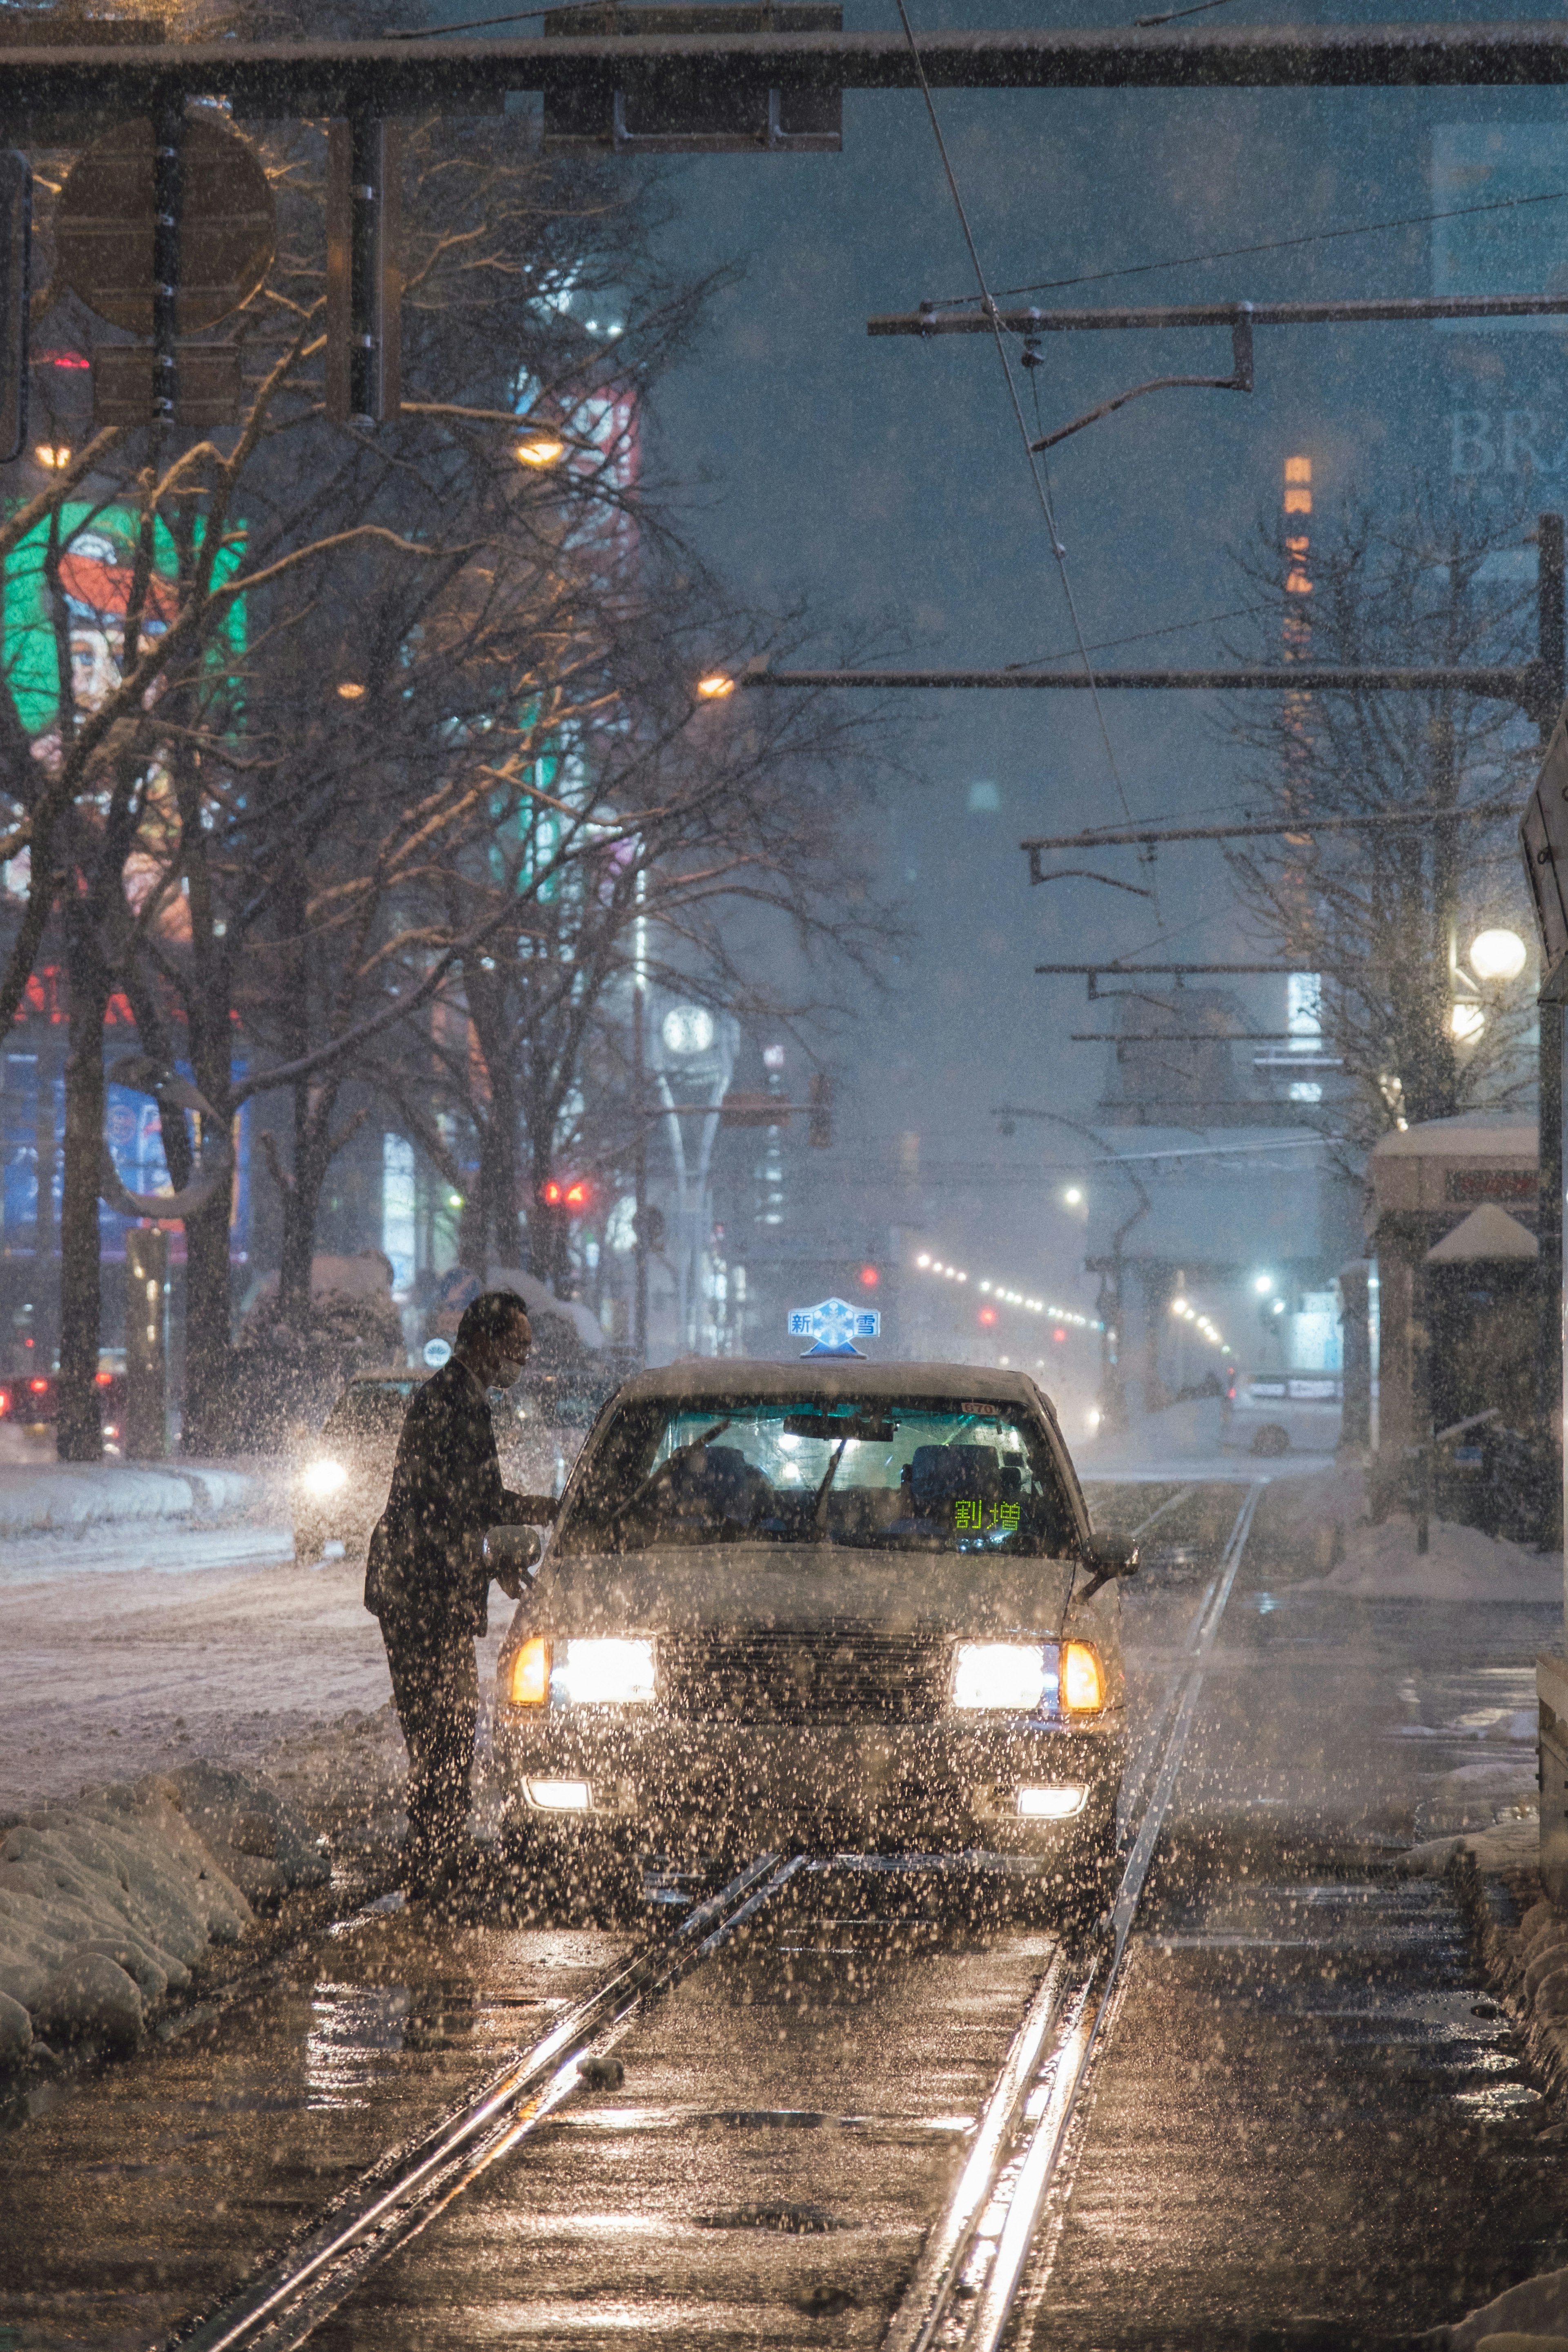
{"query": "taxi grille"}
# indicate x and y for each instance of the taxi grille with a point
(805, 1676)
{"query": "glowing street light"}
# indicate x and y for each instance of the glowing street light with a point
(1466, 1023)
(715, 686)
(1497, 955)
(1263, 1284)
(541, 449)
(351, 690)
(53, 458)
(1073, 1196)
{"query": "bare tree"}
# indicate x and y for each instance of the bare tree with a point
(1385, 915)
(223, 855)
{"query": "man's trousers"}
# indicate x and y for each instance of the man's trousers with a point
(435, 1690)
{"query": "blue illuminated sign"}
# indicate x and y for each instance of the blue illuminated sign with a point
(834, 1325)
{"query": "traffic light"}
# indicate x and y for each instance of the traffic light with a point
(364, 278)
(820, 1130)
(15, 292)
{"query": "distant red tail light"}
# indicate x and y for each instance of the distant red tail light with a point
(102, 1380)
(5, 1403)
(39, 1388)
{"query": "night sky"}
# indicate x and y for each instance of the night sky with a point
(884, 479)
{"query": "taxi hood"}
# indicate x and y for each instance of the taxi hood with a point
(797, 1586)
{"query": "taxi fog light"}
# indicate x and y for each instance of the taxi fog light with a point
(1058, 1803)
(1003, 1675)
(530, 1684)
(1083, 1686)
(606, 1673)
(559, 1796)
(325, 1477)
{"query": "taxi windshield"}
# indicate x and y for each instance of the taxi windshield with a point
(872, 1473)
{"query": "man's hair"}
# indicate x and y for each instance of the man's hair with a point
(491, 1317)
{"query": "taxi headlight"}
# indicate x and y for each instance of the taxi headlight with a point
(1083, 1684)
(605, 1672)
(1010, 1675)
(529, 1685)
(324, 1478)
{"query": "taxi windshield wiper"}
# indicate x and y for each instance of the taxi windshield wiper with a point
(694, 1445)
(819, 1515)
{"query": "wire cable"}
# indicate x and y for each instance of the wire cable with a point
(1142, 636)
(526, 15)
(1274, 245)
(1038, 474)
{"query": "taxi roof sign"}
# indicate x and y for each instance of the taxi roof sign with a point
(834, 1326)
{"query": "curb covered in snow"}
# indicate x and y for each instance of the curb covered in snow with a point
(45, 1498)
(106, 1903)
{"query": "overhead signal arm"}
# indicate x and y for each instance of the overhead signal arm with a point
(1296, 829)
(1241, 317)
(1240, 380)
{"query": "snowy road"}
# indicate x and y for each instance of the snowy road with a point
(1300, 2120)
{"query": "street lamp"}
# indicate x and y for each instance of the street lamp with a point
(539, 448)
(351, 690)
(1466, 1021)
(1497, 955)
(715, 686)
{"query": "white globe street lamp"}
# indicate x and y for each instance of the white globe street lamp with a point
(1497, 955)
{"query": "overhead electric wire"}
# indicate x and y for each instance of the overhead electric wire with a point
(1038, 472)
(526, 15)
(1202, 7)
(1141, 636)
(1274, 245)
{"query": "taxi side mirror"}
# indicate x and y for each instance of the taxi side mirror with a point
(513, 1551)
(1107, 1557)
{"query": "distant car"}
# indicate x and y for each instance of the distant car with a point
(340, 1486)
(1278, 1412)
(846, 1606)
(31, 1400)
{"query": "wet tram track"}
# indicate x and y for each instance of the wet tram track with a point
(841, 2109)
(812, 2114)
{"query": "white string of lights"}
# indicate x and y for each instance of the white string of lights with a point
(1187, 1313)
(1004, 1296)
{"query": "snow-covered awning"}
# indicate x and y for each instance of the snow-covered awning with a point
(1488, 1232)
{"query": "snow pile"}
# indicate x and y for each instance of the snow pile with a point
(106, 1903)
(1382, 1564)
(1536, 2311)
(38, 1497)
(259, 1842)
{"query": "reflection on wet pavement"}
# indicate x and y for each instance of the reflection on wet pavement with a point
(1306, 2110)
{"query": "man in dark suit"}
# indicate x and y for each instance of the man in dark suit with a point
(429, 1580)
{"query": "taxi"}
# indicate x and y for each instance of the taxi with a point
(831, 1606)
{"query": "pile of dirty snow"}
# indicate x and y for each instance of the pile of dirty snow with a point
(1382, 1564)
(106, 1903)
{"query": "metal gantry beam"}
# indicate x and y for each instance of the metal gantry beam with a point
(1532, 685)
(276, 80)
(928, 320)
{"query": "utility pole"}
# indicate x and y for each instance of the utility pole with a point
(1549, 1376)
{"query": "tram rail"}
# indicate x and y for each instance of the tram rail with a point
(976, 2256)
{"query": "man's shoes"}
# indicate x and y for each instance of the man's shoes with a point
(448, 1874)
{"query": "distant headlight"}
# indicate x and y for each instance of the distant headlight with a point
(1010, 1675)
(604, 1673)
(324, 1477)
